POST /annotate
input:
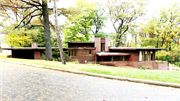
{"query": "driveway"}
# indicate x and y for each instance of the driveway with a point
(18, 82)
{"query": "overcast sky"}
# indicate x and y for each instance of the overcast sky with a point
(153, 6)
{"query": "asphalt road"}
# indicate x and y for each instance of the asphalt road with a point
(24, 83)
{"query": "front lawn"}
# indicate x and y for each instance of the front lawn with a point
(164, 76)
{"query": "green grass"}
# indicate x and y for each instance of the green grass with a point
(164, 76)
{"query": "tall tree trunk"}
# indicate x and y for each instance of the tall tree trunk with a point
(136, 40)
(118, 40)
(47, 30)
(58, 35)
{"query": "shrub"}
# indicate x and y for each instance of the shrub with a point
(142, 67)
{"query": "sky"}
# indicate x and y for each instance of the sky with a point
(153, 6)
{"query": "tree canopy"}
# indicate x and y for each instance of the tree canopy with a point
(86, 24)
(123, 14)
(163, 31)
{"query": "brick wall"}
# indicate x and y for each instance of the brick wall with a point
(132, 57)
(115, 63)
(82, 59)
(82, 52)
(82, 55)
(98, 44)
(107, 44)
(163, 66)
(149, 64)
(102, 40)
(37, 54)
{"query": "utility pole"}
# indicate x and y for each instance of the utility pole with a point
(58, 35)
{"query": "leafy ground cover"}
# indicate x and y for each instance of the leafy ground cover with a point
(156, 75)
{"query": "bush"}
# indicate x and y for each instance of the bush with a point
(170, 56)
(56, 55)
(142, 67)
(101, 35)
(177, 63)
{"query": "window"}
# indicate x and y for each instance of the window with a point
(102, 47)
(146, 56)
(118, 58)
(123, 58)
(89, 52)
(140, 55)
(151, 55)
(72, 52)
(69, 54)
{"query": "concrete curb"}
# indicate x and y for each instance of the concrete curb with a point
(102, 75)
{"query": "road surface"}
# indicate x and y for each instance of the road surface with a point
(24, 83)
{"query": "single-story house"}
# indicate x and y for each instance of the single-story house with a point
(99, 51)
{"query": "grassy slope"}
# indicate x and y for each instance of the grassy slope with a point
(165, 76)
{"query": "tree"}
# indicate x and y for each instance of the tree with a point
(30, 9)
(19, 37)
(58, 35)
(79, 27)
(98, 19)
(123, 14)
(163, 31)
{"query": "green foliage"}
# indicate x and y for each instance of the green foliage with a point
(57, 57)
(18, 37)
(163, 31)
(168, 56)
(123, 14)
(79, 26)
(177, 63)
(101, 35)
(40, 38)
(142, 67)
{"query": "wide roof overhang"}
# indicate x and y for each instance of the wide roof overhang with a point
(82, 48)
(28, 48)
(131, 48)
(112, 54)
(80, 42)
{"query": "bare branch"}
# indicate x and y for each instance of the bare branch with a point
(36, 2)
(26, 17)
(32, 26)
(15, 7)
(31, 19)
(28, 3)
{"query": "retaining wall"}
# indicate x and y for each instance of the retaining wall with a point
(135, 64)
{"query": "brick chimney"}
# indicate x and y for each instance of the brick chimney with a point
(102, 44)
(34, 44)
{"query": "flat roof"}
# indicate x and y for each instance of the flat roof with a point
(88, 48)
(133, 48)
(79, 42)
(29, 48)
(112, 54)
